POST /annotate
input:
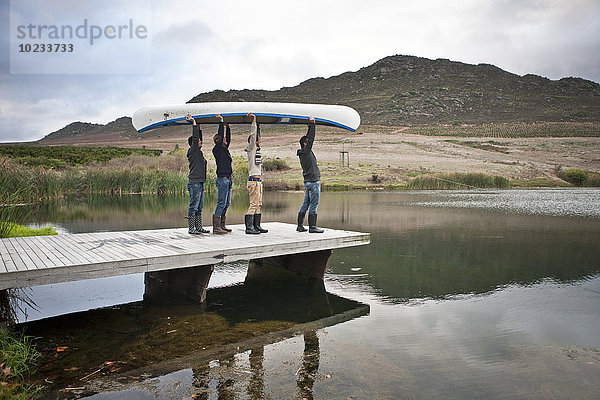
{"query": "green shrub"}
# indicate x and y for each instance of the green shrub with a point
(576, 176)
(274, 164)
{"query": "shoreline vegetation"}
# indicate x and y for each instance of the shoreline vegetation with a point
(167, 175)
(43, 172)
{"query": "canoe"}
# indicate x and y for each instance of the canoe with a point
(152, 117)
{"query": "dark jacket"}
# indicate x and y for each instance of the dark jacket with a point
(221, 153)
(196, 158)
(308, 161)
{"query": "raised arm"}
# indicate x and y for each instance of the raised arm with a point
(227, 135)
(196, 133)
(253, 132)
(310, 134)
(221, 130)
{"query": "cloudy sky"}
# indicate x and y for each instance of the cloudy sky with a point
(197, 46)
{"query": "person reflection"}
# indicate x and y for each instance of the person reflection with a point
(206, 375)
(257, 384)
(225, 387)
(201, 380)
(310, 365)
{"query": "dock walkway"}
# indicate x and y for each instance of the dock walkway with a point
(39, 260)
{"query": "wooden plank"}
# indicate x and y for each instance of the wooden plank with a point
(81, 248)
(96, 249)
(44, 241)
(19, 264)
(58, 244)
(116, 245)
(27, 261)
(7, 261)
(103, 251)
(76, 249)
(38, 257)
(48, 250)
(113, 242)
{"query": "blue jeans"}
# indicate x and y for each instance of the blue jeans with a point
(312, 190)
(224, 188)
(196, 190)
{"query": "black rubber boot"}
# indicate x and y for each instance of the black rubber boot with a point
(198, 224)
(249, 220)
(312, 224)
(257, 224)
(191, 226)
(300, 227)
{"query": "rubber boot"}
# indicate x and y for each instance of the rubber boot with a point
(300, 227)
(249, 220)
(312, 224)
(226, 229)
(217, 225)
(198, 224)
(257, 224)
(191, 226)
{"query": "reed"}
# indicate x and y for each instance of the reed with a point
(11, 212)
(458, 181)
(134, 174)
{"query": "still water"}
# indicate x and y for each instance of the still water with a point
(461, 294)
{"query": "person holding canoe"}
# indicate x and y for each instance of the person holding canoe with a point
(196, 179)
(254, 185)
(224, 173)
(312, 180)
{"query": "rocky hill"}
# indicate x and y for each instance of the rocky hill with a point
(406, 90)
(119, 127)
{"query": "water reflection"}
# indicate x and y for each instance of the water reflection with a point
(152, 339)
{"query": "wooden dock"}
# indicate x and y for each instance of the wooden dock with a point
(39, 260)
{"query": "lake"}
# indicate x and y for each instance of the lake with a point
(460, 295)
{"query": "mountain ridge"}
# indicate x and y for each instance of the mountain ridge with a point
(409, 90)
(404, 90)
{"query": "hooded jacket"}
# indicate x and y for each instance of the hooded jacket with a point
(254, 162)
(308, 161)
(221, 153)
(196, 158)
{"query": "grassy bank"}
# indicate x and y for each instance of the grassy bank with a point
(134, 174)
(19, 361)
(16, 230)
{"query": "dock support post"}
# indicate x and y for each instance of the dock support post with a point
(309, 265)
(189, 282)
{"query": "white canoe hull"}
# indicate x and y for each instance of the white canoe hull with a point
(152, 117)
